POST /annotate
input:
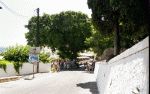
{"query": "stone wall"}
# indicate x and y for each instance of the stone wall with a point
(127, 73)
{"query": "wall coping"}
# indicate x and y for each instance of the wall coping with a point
(133, 50)
(101, 62)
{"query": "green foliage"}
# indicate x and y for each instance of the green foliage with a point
(66, 32)
(133, 18)
(44, 58)
(73, 28)
(17, 66)
(3, 64)
(17, 54)
(99, 42)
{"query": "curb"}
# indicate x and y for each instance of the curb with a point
(7, 79)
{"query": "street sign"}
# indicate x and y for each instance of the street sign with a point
(34, 50)
(33, 58)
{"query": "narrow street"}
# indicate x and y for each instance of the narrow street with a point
(65, 82)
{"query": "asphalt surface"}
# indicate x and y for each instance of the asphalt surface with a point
(66, 82)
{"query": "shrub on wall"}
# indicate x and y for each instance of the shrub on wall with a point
(3, 64)
(17, 66)
(18, 55)
(44, 58)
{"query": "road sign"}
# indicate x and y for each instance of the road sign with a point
(34, 50)
(33, 58)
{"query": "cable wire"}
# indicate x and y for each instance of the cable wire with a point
(12, 11)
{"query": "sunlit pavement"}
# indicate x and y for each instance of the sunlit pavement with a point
(66, 82)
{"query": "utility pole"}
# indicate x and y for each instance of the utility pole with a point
(37, 35)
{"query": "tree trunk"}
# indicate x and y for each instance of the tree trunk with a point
(116, 35)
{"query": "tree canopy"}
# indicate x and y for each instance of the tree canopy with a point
(65, 32)
(130, 12)
(128, 16)
(99, 42)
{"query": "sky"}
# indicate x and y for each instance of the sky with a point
(15, 14)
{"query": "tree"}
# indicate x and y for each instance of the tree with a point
(66, 32)
(99, 42)
(32, 26)
(121, 15)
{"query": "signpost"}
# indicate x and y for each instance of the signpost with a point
(34, 57)
(34, 50)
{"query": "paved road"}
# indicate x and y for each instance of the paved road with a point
(66, 82)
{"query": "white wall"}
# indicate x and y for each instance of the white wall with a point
(97, 67)
(27, 68)
(10, 71)
(44, 67)
(127, 73)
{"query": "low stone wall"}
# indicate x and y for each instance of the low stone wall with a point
(127, 73)
(27, 68)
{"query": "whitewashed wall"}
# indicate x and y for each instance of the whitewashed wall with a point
(27, 68)
(97, 67)
(127, 73)
(10, 71)
(44, 67)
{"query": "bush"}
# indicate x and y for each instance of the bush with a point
(17, 66)
(3, 64)
(17, 54)
(20, 54)
(44, 58)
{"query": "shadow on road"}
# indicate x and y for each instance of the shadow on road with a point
(89, 85)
